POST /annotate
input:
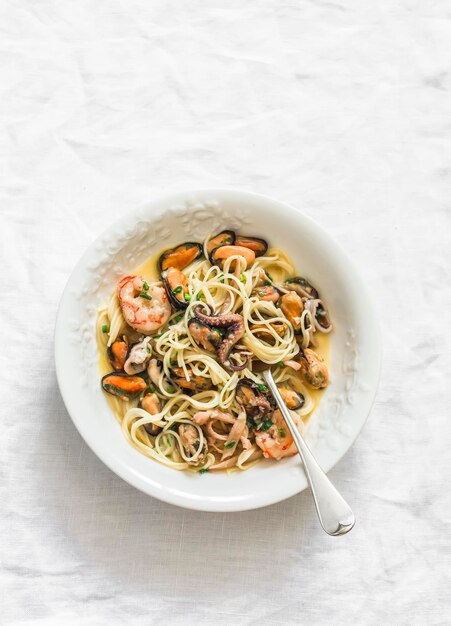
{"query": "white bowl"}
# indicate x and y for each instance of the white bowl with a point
(355, 343)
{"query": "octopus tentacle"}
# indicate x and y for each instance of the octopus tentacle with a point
(235, 330)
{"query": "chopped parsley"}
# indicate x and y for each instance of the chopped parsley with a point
(243, 278)
(151, 389)
(105, 328)
(280, 364)
(147, 349)
(146, 285)
(178, 318)
(203, 470)
(170, 389)
(266, 424)
(230, 444)
(198, 296)
(268, 283)
(221, 278)
(262, 387)
(177, 290)
(187, 297)
(282, 432)
(146, 296)
(158, 336)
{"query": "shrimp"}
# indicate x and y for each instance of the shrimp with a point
(145, 310)
(277, 442)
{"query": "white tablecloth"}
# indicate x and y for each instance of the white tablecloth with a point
(341, 108)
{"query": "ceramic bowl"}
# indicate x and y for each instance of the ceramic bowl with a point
(355, 342)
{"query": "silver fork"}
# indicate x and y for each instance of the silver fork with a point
(335, 514)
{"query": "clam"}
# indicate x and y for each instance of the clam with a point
(293, 399)
(267, 293)
(313, 369)
(151, 403)
(292, 307)
(258, 246)
(195, 383)
(225, 238)
(176, 287)
(189, 437)
(301, 286)
(180, 257)
(122, 386)
(117, 353)
(221, 254)
(137, 357)
(251, 398)
(206, 337)
(154, 369)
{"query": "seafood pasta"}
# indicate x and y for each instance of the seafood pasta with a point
(182, 353)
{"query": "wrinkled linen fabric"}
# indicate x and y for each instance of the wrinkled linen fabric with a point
(340, 108)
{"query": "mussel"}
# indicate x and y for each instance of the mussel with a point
(122, 386)
(151, 403)
(322, 318)
(293, 399)
(154, 369)
(137, 357)
(180, 257)
(251, 398)
(258, 246)
(221, 254)
(262, 331)
(195, 383)
(301, 286)
(189, 437)
(224, 238)
(292, 307)
(206, 337)
(313, 369)
(117, 353)
(267, 293)
(176, 287)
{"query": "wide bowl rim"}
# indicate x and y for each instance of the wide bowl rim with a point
(158, 490)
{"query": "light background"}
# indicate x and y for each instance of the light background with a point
(342, 108)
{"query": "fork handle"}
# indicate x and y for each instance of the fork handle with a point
(335, 514)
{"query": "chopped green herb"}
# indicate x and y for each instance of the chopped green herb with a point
(251, 422)
(269, 276)
(266, 424)
(170, 389)
(198, 296)
(187, 297)
(282, 432)
(203, 470)
(230, 444)
(280, 364)
(158, 336)
(145, 285)
(177, 290)
(221, 278)
(147, 349)
(267, 283)
(151, 389)
(262, 387)
(243, 278)
(177, 319)
(146, 296)
(218, 330)
(261, 293)
(104, 328)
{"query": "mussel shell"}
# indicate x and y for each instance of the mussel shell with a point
(123, 386)
(180, 257)
(224, 238)
(195, 383)
(212, 336)
(259, 246)
(293, 399)
(177, 300)
(246, 391)
(301, 286)
(322, 316)
(117, 353)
